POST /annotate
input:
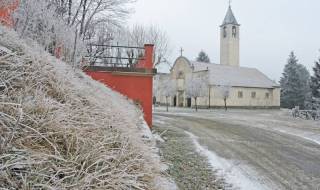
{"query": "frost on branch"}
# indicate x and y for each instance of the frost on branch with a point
(196, 86)
(224, 93)
(139, 35)
(68, 26)
(6, 3)
(168, 90)
(38, 20)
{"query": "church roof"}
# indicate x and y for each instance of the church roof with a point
(223, 75)
(230, 18)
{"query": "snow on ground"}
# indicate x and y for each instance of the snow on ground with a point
(228, 169)
(274, 120)
(158, 138)
(283, 145)
(302, 134)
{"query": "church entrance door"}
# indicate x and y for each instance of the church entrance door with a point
(189, 102)
(175, 101)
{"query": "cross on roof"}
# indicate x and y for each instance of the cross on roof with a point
(181, 51)
(230, 1)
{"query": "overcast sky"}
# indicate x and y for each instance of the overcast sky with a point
(270, 29)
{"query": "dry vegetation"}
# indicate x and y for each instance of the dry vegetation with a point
(61, 130)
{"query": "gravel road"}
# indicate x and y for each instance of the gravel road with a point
(269, 147)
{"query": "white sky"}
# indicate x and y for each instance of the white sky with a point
(270, 29)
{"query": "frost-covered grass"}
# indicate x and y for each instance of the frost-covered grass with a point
(61, 130)
(187, 167)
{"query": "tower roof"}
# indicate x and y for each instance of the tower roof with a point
(230, 18)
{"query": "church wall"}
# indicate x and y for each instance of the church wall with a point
(181, 68)
(276, 97)
(180, 84)
(216, 100)
(260, 99)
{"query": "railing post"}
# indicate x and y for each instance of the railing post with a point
(148, 48)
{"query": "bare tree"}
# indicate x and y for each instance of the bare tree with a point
(39, 20)
(58, 23)
(138, 35)
(89, 15)
(224, 92)
(168, 89)
(196, 87)
(6, 3)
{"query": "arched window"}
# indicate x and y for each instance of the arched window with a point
(225, 32)
(234, 31)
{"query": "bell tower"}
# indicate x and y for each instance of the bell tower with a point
(230, 40)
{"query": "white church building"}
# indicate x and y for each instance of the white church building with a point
(248, 87)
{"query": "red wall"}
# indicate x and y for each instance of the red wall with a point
(136, 85)
(138, 88)
(6, 13)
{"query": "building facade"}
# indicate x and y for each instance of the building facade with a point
(245, 87)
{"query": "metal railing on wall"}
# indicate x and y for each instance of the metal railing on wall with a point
(114, 56)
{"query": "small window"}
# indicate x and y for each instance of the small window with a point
(180, 75)
(234, 31)
(225, 32)
(267, 95)
(240, 94)
(253, 94)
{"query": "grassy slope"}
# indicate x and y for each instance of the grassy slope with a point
(59, 129)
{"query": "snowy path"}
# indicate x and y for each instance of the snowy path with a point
(232, 174)
(254, 150)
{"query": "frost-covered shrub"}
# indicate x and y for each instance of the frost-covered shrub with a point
(196, 87)
(39, 20)
(6, 3)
